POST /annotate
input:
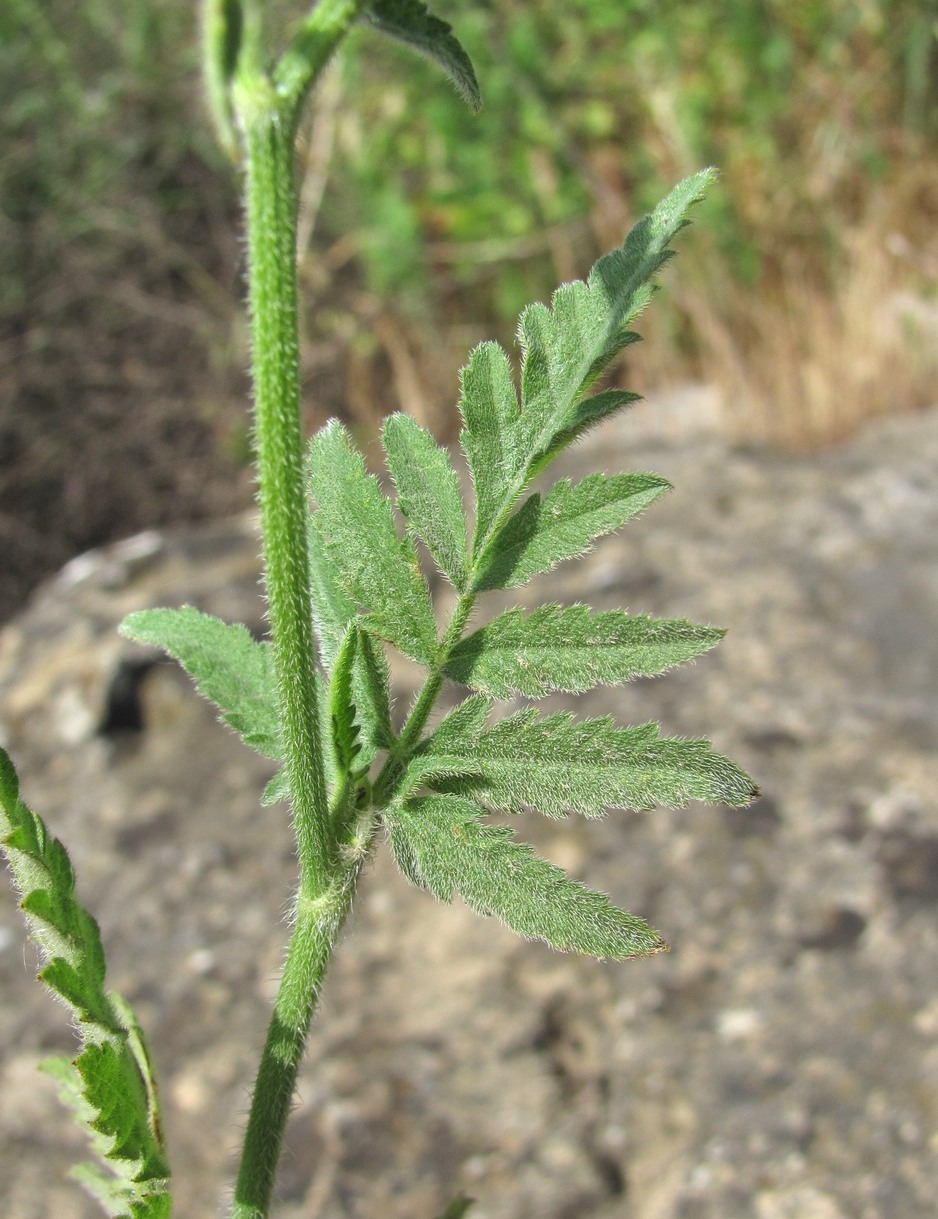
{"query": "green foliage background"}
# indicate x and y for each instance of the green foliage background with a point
(426, 229)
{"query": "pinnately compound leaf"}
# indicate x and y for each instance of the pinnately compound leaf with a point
(375, 567)
(442, 845)
(563, 525)
(229, 667)
(110, 1085)
(411, 22)
(571, 649)
(554, 765)
(428, 494)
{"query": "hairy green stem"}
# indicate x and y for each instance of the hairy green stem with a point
(304, 59)
(320, 905)
(423, 704)
(267, 110)
(318, 922)
(271, 225)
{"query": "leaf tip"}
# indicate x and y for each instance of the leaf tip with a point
(9, 780)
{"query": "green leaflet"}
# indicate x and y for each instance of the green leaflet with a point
(457, 728)
(564, 346)
(428, 494)
(277, 788)
(375, 567)
(110, 1084)
(554, 765)
(229, 667)
(572, 649)
(359, 707)
(578, 420)
(371, 691)
(441, 844)
(345, 732)
(332, 607)
(564, 349)
(563, 525)
(411, 22)
(489, 407)
(333, 613)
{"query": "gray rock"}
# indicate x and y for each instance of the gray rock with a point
(780, 1063)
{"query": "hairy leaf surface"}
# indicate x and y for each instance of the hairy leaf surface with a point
(577, 421)
(411, 22)
(566, 344)
(489, 407)
(565, 347)
(375, 567)
(332, 608)
(359, 706)
(441, 844)
(572, 649)
(371, 691)
(229, 667)
(563, 525)
(554, 765)
(428, 494)
(345, 732)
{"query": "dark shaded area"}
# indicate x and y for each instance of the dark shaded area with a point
(910, 864)
(839, 927)
(121, 398)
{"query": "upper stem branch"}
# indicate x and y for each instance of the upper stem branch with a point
(271, 225)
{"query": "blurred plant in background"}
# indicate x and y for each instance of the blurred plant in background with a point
(119, 276)
(822, 117)
(118, 281)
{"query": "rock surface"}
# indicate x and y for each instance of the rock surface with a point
(780, 1063)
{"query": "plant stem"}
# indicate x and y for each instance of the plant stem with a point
(317, 924)
(325, 887)
(423, 704)
(306, 56)
(267, 111)
(271, 228)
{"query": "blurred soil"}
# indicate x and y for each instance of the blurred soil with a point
(781, 1062)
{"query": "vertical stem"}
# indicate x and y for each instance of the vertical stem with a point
(317, 924)
(326, 886)
(267, 111)
(271, 225)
